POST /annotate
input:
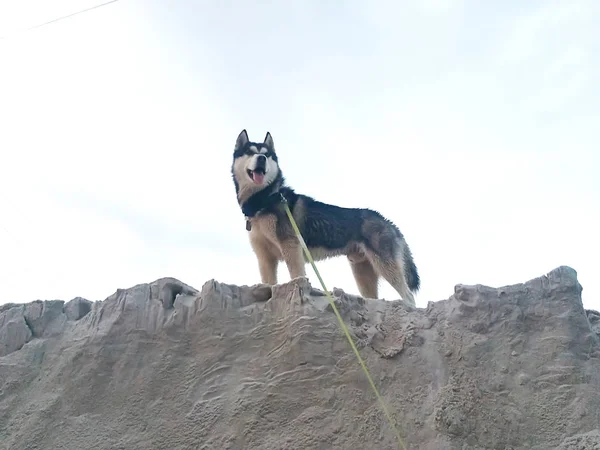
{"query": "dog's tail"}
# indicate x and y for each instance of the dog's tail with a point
(410, 270)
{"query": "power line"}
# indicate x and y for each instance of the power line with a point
(65, 17)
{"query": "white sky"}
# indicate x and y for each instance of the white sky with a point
(473, 125)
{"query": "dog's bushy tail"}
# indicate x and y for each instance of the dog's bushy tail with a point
(410, 270)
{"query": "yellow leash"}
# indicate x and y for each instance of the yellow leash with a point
(341, 321)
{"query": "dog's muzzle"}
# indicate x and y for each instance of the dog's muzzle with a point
(260, 168)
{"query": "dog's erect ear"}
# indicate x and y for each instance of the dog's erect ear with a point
(269, 141)
(242, 140)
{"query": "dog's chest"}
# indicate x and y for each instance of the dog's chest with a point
(263, 227)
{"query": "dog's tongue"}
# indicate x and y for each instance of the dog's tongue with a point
(258, 177)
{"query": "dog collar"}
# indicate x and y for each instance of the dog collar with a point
(279, 195)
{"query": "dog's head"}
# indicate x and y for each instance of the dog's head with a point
(254, 165)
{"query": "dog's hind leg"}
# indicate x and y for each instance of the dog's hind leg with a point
(393, 271)
(364, 274)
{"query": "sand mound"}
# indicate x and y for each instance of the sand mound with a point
(163, 366)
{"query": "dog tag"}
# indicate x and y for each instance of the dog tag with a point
(248, 225)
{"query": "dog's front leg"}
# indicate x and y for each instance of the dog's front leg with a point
(267, 261)
(292, 255)
(267, 266)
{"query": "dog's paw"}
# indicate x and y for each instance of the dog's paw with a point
(300, 278)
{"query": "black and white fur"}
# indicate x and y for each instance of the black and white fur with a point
(374, 246)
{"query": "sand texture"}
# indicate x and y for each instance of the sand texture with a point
(164, 366)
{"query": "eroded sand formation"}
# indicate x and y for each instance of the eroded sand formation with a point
(163, 366)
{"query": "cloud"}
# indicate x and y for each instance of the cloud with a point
(537, 32)
(439, 6)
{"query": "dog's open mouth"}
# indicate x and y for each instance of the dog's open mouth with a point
(257, 175)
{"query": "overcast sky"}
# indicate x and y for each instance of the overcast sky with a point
(473, 125)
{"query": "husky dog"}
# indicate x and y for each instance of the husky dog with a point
(374, 246)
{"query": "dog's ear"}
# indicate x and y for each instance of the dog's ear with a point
(269, 141)
(242, 140)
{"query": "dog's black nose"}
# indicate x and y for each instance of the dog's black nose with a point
(261, 162)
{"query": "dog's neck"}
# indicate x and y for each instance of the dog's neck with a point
(263, 199)
(247, 191)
